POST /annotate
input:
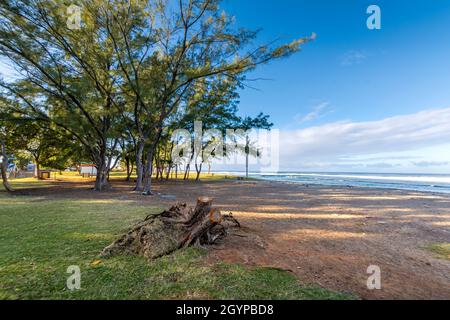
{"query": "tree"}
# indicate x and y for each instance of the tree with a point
(185, 44)
(45, 146)
(247, 124)
(66, 77)
(40, 142)
(128, 148)
(8, 142)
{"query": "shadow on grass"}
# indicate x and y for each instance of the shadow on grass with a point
(39, 240)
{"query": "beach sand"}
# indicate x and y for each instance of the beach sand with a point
(326, 236)
(330, 235)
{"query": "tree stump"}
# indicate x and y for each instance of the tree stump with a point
(176, 228)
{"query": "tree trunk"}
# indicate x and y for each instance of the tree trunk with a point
(161, 172)
(186, 171)
(177, 228)
(4, 167)
(247, 151)
(37, 169)
(139, 167)
(131, 171)
(169, 170)
(170, 162)
(5, 179)
(188, 168)
(198, 168)
(127, 163)
(101, 180)
(148, 174)
(246, 165)
(157, 172)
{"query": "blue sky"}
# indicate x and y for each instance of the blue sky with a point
(353, 75)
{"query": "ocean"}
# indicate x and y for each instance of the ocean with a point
(415, 182)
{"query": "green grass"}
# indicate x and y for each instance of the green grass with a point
(41, 238)
(22, 183)
(441, 250)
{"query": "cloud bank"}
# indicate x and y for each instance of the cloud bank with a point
(331, 142)
(318, 111)
(353, 57)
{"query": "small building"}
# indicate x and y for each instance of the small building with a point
(44, 174)
(88, 170)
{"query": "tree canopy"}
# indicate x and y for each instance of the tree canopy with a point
(130, 72)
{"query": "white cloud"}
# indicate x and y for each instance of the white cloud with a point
(353, 57)
(425, 164)
(317, 112)
(331, 142)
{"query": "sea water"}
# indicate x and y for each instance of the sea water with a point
(416, 182)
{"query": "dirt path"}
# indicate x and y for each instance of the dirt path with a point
(325, 235)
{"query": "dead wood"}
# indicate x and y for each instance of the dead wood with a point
(173, 229)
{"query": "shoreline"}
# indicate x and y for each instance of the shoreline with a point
(302, 183)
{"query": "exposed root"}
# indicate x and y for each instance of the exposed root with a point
(173, 229)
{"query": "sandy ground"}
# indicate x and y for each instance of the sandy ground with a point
(327, 236)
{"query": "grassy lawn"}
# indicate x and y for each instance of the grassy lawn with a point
(41, 238)
(22, 183)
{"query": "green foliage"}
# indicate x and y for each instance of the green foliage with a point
(259, 122)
